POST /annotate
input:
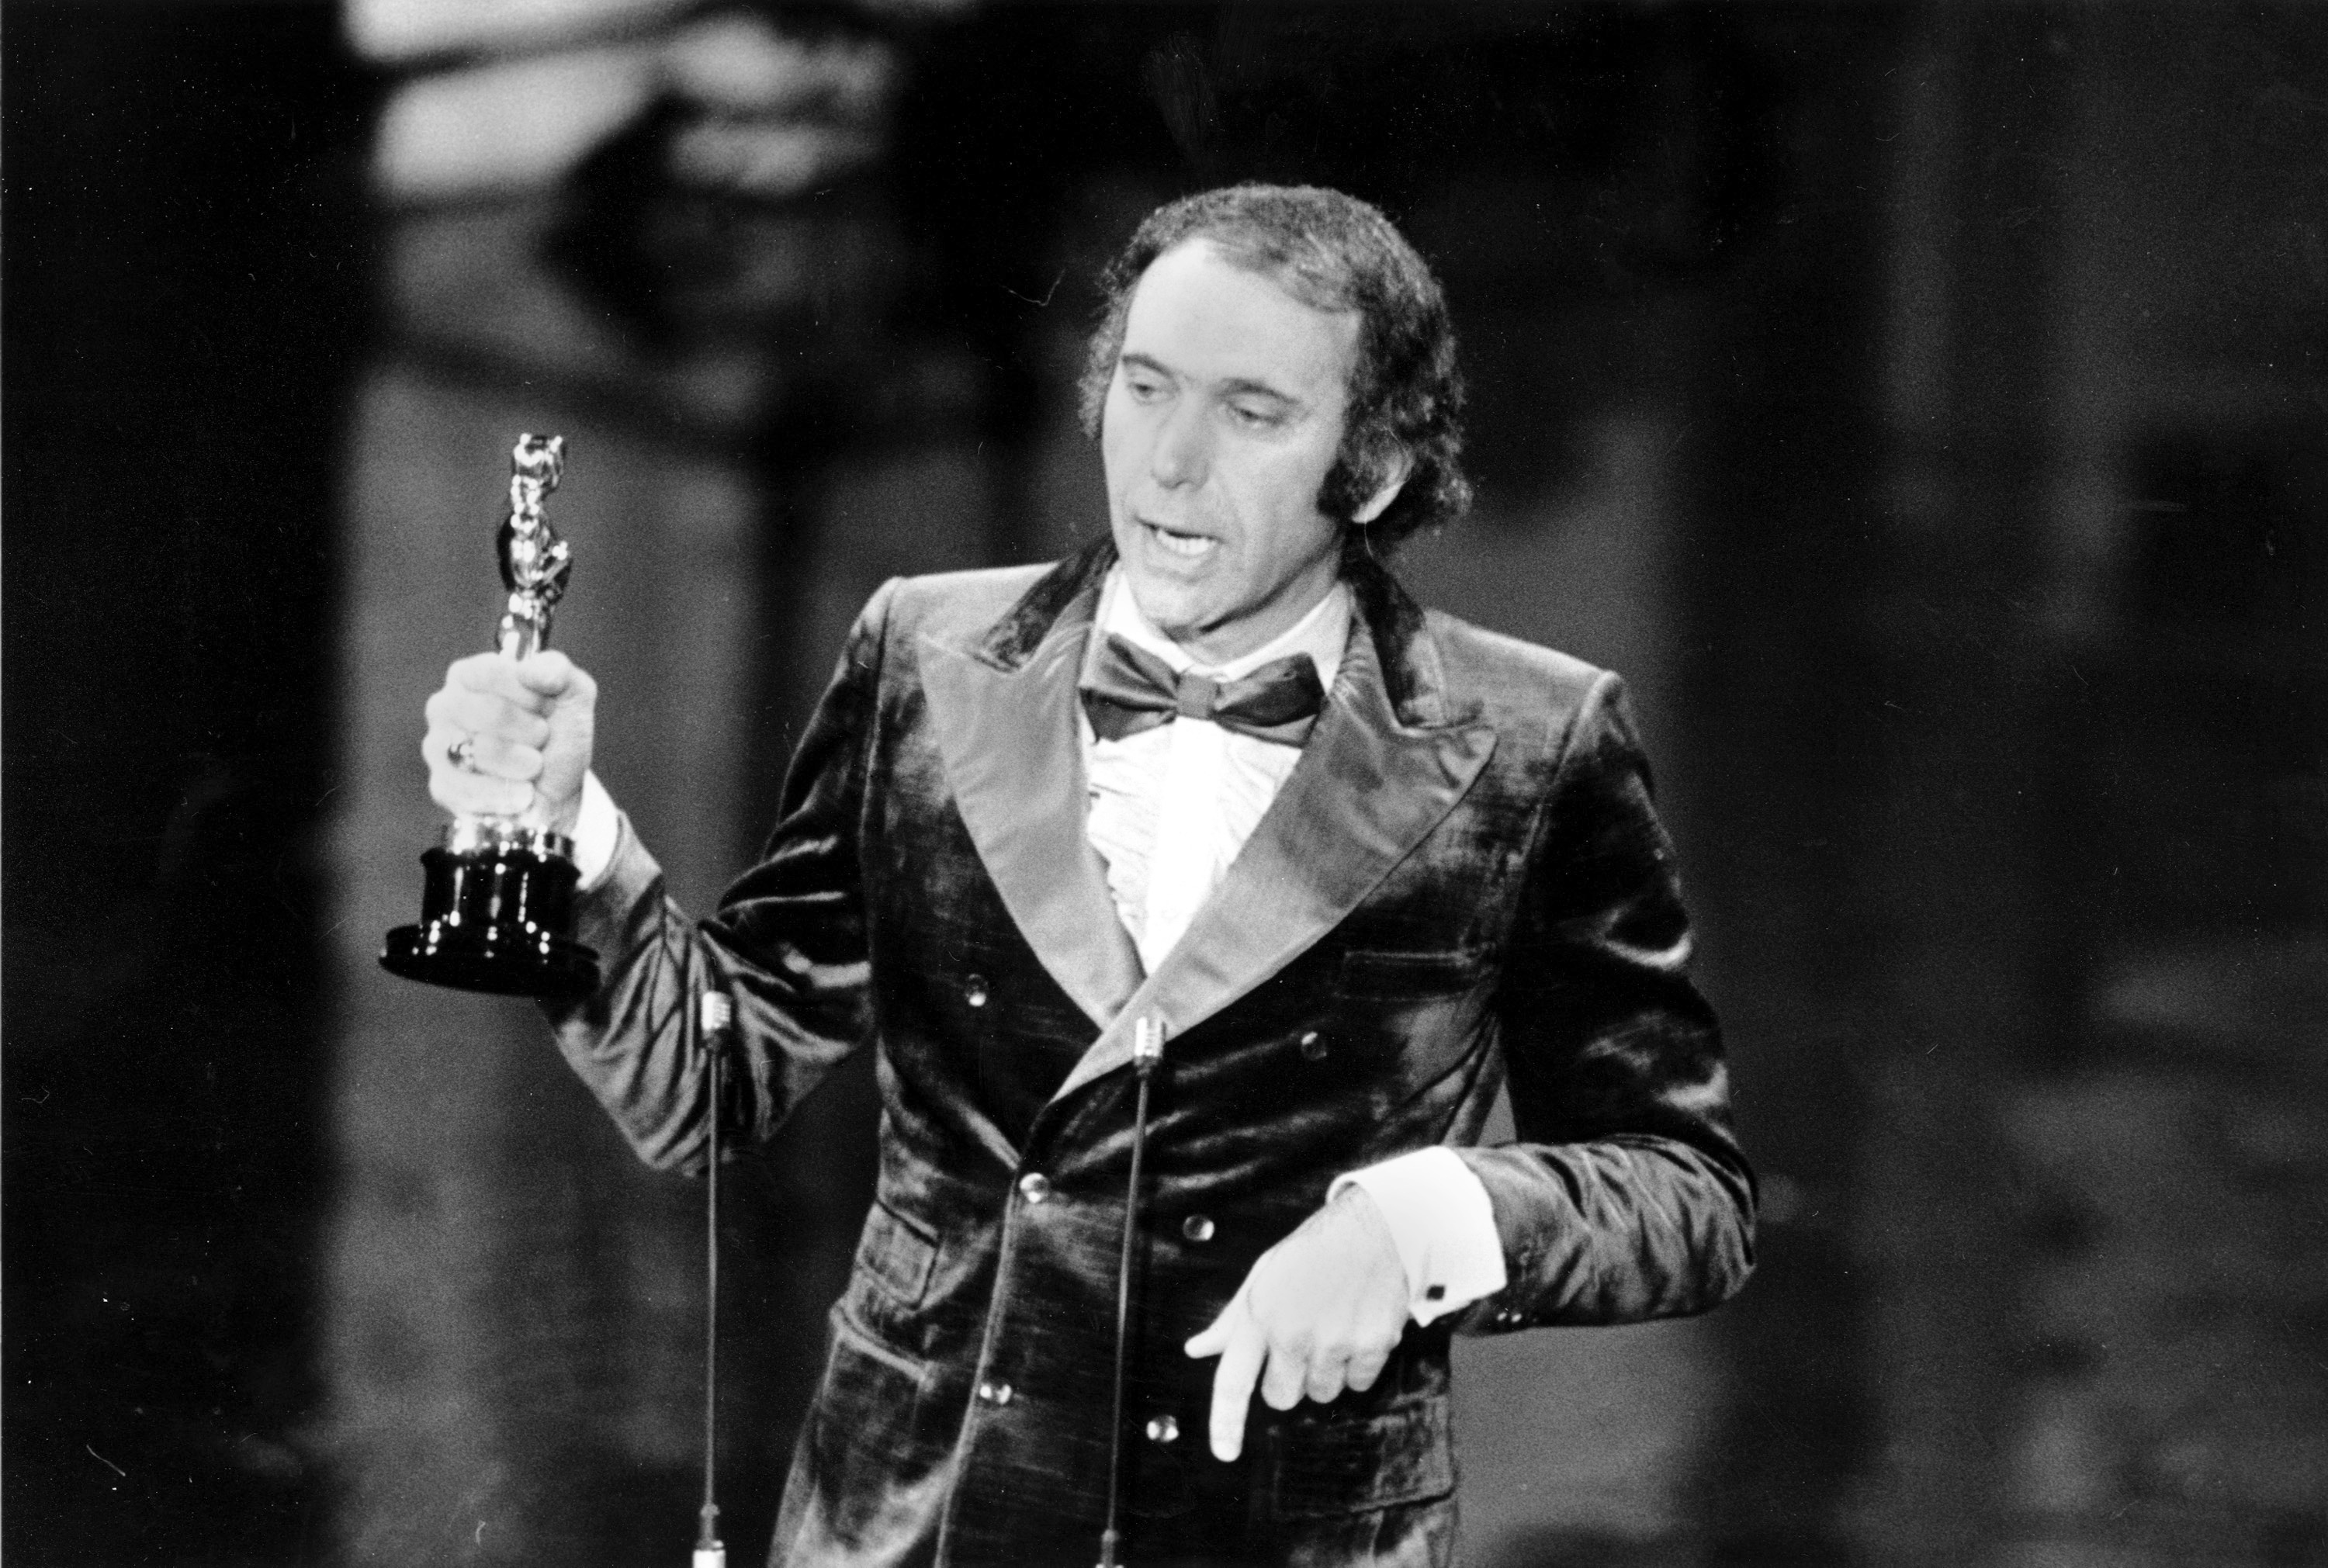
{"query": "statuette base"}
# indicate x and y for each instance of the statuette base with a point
(498, 901)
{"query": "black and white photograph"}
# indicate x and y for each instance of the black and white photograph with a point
(1164, 784)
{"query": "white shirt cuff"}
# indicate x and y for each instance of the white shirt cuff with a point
(1442, 1224)
(597, 830)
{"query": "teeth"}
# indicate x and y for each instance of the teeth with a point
(1182, 544)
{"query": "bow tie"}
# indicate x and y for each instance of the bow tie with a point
(1131, 689)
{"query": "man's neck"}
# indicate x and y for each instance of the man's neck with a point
(1321, 630)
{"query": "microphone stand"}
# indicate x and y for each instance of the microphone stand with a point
(1147, 1052)
(713, 1012)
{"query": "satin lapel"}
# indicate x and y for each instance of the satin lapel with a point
(1367, 790)
(1013, 754)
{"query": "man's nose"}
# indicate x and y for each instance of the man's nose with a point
(1183, 449)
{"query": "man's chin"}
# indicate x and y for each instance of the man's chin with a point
(1169, 607)
(1184, 611)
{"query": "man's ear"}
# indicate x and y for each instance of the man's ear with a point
(1394, 474)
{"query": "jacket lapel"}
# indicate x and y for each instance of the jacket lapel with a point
(1004, 717)
(1368, 788)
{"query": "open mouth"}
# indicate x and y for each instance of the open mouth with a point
(1188, 546)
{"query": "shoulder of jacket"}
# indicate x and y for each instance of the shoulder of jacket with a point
(956, 607)
(1499, 670)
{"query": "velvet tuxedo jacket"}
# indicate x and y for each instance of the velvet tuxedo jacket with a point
(1462, 887)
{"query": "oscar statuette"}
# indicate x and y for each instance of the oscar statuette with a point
(497, 914)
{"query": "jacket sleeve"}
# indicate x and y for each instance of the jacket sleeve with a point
(1625, 1197)
(788, 946)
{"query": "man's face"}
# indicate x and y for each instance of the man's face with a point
(1221, 422)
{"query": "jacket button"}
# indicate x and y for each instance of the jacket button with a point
(994, 1392)
(1163, 1429)
(1196, 1228)
(1034, 1187)
(1313, 1046)
(974, 991)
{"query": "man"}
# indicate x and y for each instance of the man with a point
(1215, 780)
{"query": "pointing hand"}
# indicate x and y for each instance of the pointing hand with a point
(1320, 1311)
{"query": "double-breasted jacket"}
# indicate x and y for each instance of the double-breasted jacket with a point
(1461, 888)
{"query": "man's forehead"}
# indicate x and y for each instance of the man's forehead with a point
(1196, 303)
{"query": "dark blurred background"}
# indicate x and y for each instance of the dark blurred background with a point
(1923, 405)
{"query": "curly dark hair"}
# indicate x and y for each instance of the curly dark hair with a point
(1331, 252)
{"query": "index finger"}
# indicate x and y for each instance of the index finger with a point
(1233, 1382)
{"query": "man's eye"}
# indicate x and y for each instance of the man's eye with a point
(1143, 389)
(1255, 418)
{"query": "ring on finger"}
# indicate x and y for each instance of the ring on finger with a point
(462, 754)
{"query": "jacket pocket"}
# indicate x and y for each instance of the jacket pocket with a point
(897, 1255)
(873, 1442)
(1408, 1015)
(1380, 974)
(1317, 1468)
